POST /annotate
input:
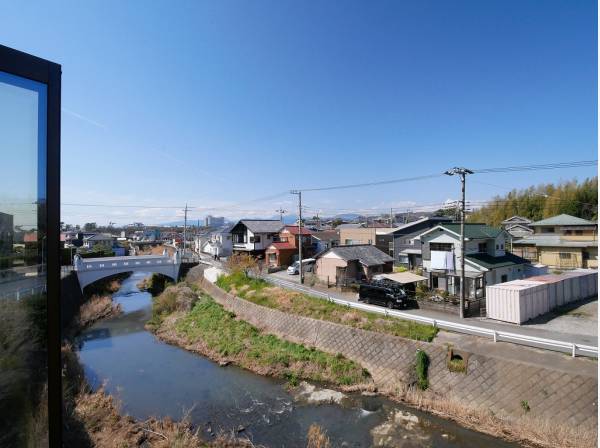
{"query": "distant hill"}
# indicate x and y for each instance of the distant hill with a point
(573, 198)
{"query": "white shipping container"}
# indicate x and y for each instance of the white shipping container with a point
(520, 300)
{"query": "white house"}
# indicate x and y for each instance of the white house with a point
(254, 235)
(486, 260)
(219, 243)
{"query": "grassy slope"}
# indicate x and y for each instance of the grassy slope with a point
(219, 335)
(262, 293)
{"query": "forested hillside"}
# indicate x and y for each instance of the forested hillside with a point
(573, 198)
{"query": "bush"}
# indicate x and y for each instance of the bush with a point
(421, 366)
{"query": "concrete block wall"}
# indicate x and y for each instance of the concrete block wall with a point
(491, 383)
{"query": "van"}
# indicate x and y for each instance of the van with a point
(307, 266)
(382, 295)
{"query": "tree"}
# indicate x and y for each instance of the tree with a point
(242, 262)
(89, 226)
(572, 198)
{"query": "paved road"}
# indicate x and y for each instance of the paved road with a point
(536, 329)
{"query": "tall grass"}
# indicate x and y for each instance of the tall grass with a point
(222, 334)
(262, 293)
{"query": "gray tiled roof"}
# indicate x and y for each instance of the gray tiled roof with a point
(365, 253)
(263, 225)
(563, 220)
(546, 240)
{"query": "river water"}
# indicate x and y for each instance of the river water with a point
(151, 378)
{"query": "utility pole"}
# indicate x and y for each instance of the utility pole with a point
(185, 211)
(281, 211)
(300, 268)
(391, 217)
(462, 172)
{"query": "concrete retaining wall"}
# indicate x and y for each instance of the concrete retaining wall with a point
(491, 383)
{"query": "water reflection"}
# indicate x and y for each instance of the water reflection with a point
(155, 379)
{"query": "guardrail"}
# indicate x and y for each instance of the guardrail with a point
(21, 293)
(504, 336)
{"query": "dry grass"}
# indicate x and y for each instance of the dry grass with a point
(317, 437)
(216, 333)
(292, 302)
(527, 430)
(96, 308)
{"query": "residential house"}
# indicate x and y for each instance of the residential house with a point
(219, 243)
(406, 248)
(325, 239)
(253, 236)
(92, 240)
(343, 264)
(283, 251)
(380, 237)
(517, 226)
(561, 242)
(487, 261)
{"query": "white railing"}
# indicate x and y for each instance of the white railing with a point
(21, 293)
(505, 336)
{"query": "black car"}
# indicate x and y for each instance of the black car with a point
(380, 294)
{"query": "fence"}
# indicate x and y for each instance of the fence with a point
(504, 336)
(21, 293)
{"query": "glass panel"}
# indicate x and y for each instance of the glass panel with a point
(23, 357)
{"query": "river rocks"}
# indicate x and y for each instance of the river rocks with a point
(402, 430)
(311, 394)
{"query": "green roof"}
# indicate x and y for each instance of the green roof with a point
(563, 220)
(474, 231)
(490, 262)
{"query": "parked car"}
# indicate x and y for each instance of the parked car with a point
(381, 294)
(307, 266)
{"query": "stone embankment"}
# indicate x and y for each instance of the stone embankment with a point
(542, 405)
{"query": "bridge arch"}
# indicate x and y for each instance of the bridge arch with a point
(90, 270)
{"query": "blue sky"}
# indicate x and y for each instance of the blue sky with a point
(216, 103)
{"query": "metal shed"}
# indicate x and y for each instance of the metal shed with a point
(520, 300)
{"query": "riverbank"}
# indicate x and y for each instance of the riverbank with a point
(204, 327)
(525, 427)
(94, 419)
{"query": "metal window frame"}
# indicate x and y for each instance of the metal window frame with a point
(49, 73)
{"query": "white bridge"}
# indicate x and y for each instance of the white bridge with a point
(91, 269)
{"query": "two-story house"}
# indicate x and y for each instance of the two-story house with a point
(487, 261)
(253, 236)
(377, 236)
(218, 243)
(406, 247)
(284, 249)
(561, 242)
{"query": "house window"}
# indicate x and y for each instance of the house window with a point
(272, 257)
(568, 232)
(257, 239)
(444, 247)
(482, 248)
(504, 278)
(564, 255)
(579, 232)
(549, 229)
(502, 246)
(497, 246)
(251, 239)
(370, 242)
(348, 242)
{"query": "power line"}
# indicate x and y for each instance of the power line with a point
(537, 167)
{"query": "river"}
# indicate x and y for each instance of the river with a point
(151, 378)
